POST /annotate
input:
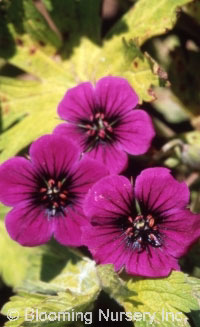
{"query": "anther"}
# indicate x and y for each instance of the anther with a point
(51, 182)
(43, 189)
(63, 196)
(102, 133)
(59, 184)
(55, 204)
(129, 231)
(130, 219)
(98, 115)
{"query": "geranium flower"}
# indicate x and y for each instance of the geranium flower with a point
(145, 228)
(47, 192)
(103, 123)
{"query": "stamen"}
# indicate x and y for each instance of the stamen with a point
(43, 189)
(51, 182)
(102, 133)
(55, 204)
(63, 196)
(54, 196)
(98, 115)
(59, 184)
(130, 219)
(141, 231)
(98, 128)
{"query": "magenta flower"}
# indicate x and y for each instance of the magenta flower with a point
(103, 123)
(47, 192)
(145, 228)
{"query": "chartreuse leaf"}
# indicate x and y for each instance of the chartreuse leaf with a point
(20, 17)
(24, 15)
(147, 19)
(112, 284)
(138, 68)
(34, 105)
(31, 58)
(33, 113)
(123, 57)
(14, 258)
(153, 300)
(29, 107)
(165, 297)
(195, 284)
(3, 211)
(75, 289)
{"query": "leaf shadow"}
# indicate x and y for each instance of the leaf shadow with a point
(54, 261)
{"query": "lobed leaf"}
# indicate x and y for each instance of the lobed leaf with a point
(174, 294)
(147, 19)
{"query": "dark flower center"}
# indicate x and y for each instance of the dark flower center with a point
(142, 231)
(54, 196)
(98, 129)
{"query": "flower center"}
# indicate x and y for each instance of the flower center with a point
(142, 231)
(98, 127)
(54, 196)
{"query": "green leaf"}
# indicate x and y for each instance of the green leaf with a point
(174, 294)
(138, 68)
(75, 289)
(24, 15)
(14, 259)
(32, 105)
(20, 17)
(195, 284)
(112, 284)
(147, 19)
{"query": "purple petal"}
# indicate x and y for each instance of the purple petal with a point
(86, 173)
(115, 95)
(155, 263)
(77, 103)
(17, 181)
(109, 198)
(115, 159)
(136, 132)
(67, 229)
(106, 245)
(180, 231)
(72, 132)
(54, 154)
(160, 192)
(28, 225)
